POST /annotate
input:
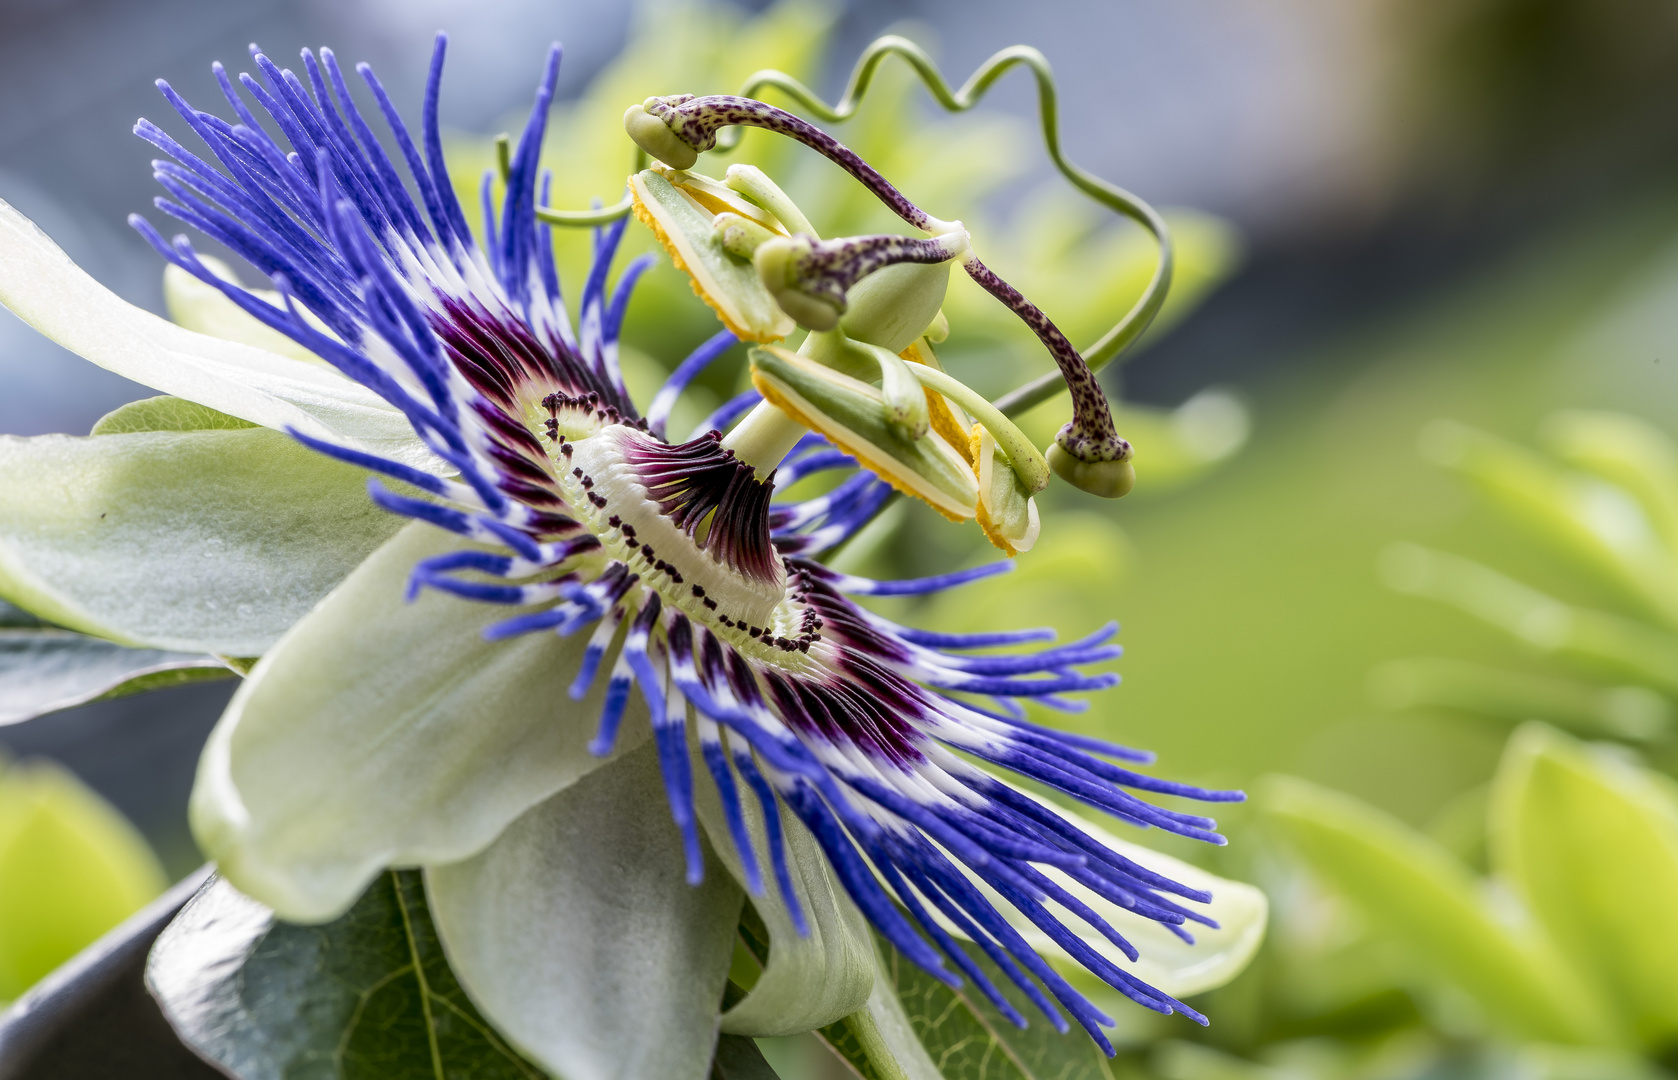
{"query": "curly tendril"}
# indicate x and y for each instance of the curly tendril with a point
(1110, 345)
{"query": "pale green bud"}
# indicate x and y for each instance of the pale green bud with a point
(1108, 479)
(655, 137)
(779, 262)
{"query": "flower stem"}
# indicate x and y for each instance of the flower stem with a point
(764, 437)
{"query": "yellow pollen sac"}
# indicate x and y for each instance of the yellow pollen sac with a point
(1006, 512)
(853, 416)
(682, 209)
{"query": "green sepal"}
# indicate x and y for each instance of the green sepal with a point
(204, 541)
(808, 980)
(380, 732)
(578, 934)
(44, 670)
(40, 284)
(165, 413)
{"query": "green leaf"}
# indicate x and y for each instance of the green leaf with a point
(369, 995)
(1627, 451)
(965, 1038)
(380, 733)
(71, 868)
(1178, 1060)
(1538, 620)
(199, 541)
(49, 292)
(577, 933)
(1600, 522)
(1622, 712)
(809, 979)
(738, 1058)
(42, 671)
(165, 413)
(1426, 899)
(1591, 843)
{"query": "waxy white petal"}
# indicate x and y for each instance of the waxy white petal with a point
(51, 293)
(811, 979)
(200, 541)
(1167, 961)
(576, 933)
(205, 309)
(380, 733)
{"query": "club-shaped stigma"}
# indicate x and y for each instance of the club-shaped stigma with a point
(809, 278)
(1088, 452)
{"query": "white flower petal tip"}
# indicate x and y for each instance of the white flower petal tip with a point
(821, 961)
(1167, 962)
(40, 284)
(382, 733)
(210, 540)
(204, 309)
(578, 935)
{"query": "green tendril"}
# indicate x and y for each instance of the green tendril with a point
(1129, 328)
(603, 215)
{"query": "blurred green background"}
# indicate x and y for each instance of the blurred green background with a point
(1443, 658)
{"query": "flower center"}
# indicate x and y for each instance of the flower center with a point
(691, 519)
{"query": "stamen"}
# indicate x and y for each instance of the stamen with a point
(809, 278)
(1091, 455)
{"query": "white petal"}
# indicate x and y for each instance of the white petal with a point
(55, 296)
(811, 980)
(379, 733)
(1167, 962)
(205, 309)
(203, 541)
(577, 935)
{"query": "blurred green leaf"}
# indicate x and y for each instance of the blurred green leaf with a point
(367, 995)
(1627, 451)
(1591, 843)
(1623, 712)
(1418, 892)
(71, 867)
(1177, 1060)
(45, 670)
(1601, 523)
(1536, 619)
